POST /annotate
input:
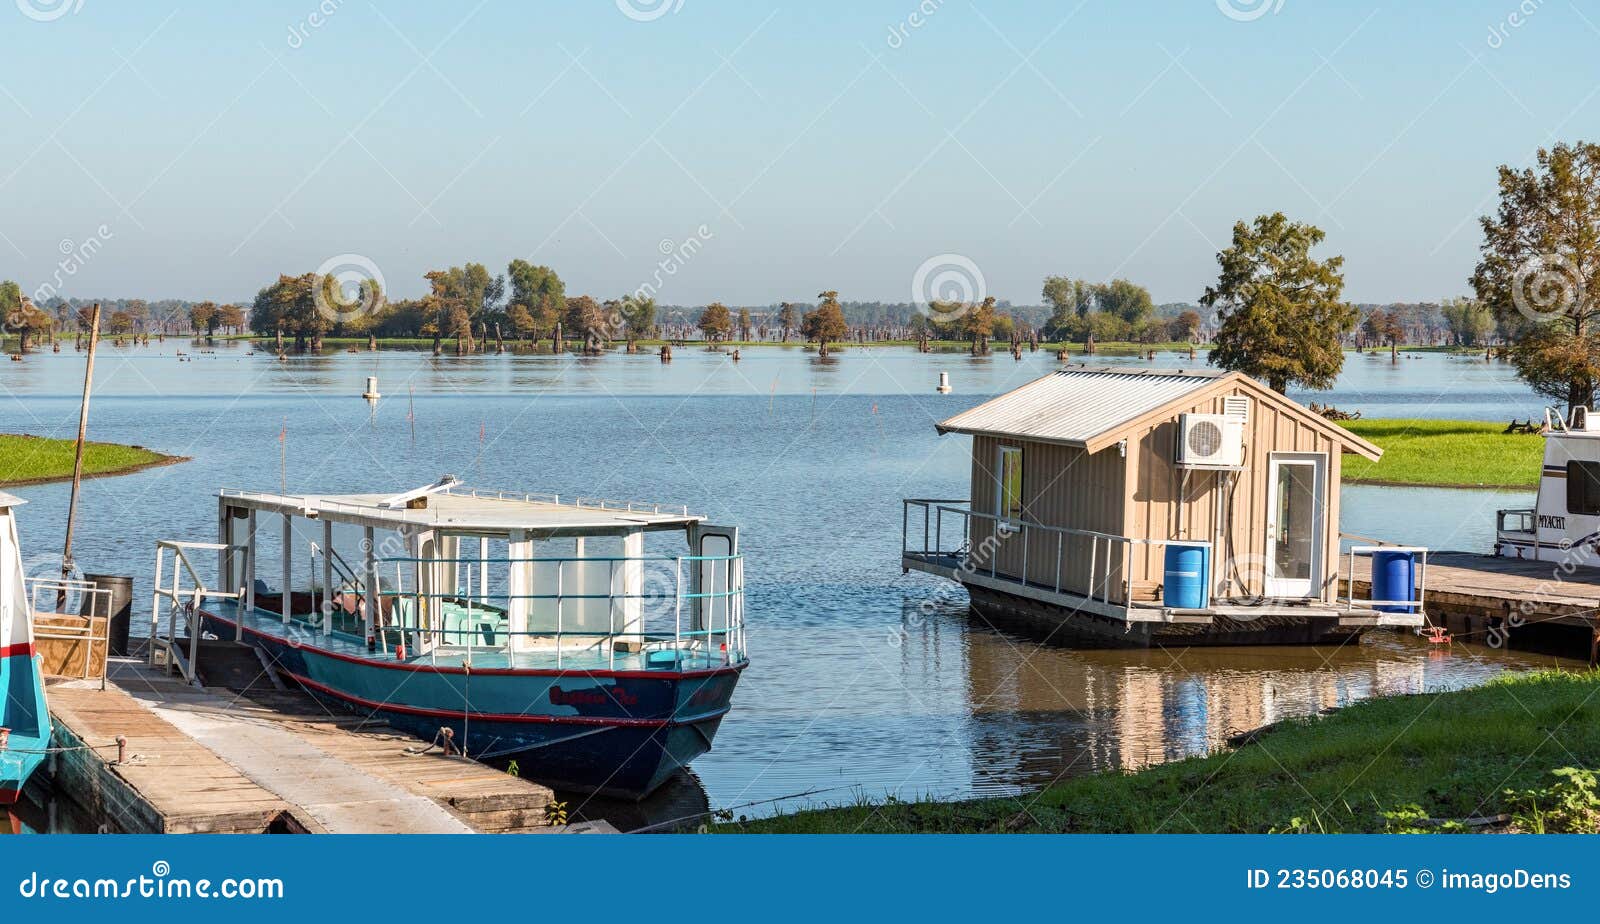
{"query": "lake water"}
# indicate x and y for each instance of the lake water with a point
(863, 681)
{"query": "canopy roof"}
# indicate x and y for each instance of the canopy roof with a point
(1094, 408)
(497, 513)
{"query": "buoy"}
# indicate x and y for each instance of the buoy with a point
(944, 383)
(371, 394)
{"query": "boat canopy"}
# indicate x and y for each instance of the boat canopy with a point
(460, 511)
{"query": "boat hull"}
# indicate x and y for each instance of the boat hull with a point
(23, 713)
(618, 733)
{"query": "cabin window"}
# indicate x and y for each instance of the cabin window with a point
(1583, 488)
(1008, 503)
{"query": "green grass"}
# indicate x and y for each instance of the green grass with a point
(1434, 755)
(1451, 453)
(32, 459)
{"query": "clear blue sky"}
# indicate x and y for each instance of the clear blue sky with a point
(218, 147)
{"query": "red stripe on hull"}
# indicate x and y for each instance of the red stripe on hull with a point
(25, 650)
(392, 665)
(621, 721)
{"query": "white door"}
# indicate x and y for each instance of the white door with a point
(1296, 505)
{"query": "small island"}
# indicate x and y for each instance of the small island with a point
(26, 460)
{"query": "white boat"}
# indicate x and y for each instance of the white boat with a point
(1564, 523)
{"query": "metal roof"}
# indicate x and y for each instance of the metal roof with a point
(1072, 406)
(475, 512)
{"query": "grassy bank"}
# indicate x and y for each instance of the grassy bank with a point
(36, 460)
(1449, 453)
(1423, 762)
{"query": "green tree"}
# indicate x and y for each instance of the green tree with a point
(1069, 300)
(716, 322)
(541, 294)
(1280, 312)
(1127, 300)
(1185, 327)
(1539, 270)
(786, 320)
(1470, 321)
(978, 325)
(639, 318)
(744, 324)
(22, 317)
(825, 324)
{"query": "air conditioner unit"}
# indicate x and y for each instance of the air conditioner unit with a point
(1210, 440)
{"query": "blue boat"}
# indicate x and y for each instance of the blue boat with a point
(513, 628)
(24, 719)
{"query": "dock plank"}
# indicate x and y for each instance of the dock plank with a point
(216, 760)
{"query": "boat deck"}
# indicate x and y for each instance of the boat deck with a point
(1154, 611)
(212, 760)
(576, 656)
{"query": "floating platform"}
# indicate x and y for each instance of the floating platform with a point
(1483, 594)
(265, 760)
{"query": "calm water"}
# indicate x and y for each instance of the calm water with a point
(863, 680)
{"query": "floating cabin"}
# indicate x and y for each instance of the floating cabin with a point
(1134, 507)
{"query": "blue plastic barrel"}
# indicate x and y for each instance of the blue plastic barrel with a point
(1187, 581)
(1394, 578)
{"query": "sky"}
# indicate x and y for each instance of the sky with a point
(751, 152)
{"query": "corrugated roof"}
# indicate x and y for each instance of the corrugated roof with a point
(1072, 406)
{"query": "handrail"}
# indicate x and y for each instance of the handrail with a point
(413, 621)
(1350, 599)
(1100, 563)
(85, 633)
(188, 600)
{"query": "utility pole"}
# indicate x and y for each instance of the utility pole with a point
(77, 455)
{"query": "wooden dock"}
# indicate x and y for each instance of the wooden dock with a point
(1475, 594)
(215, 760)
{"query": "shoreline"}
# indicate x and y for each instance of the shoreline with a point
(146, 459)
(1451, 761)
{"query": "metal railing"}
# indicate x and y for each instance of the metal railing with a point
(185, 602)
(1351, 601)
(62, 589)
(1107, 553)
(646, 610)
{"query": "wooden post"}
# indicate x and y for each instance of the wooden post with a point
(77, 455)
(288, 577)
